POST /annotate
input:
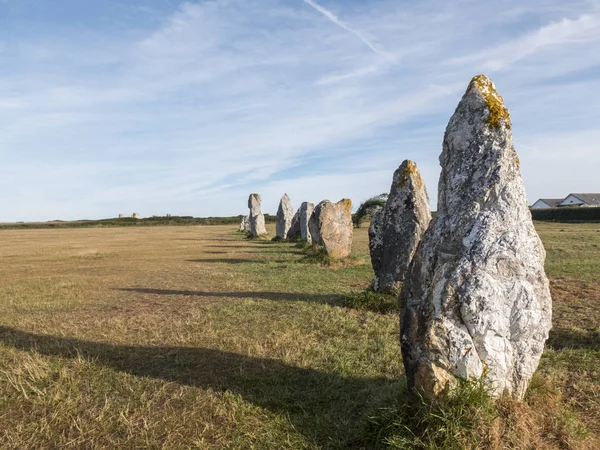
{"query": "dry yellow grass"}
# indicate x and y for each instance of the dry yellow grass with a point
(193, 337)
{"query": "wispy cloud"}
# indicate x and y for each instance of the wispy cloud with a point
(355, 32)
(336, 78)
(581, 30)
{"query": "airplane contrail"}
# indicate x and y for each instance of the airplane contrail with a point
(341, 24)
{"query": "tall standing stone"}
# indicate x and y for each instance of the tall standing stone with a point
(285, 214)
(476, 299)
(335, 227)
(403, 220)
(257, 220)
(306, 212)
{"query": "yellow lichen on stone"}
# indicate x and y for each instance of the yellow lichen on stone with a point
(498, 113)
(347, 206)
(411, 169)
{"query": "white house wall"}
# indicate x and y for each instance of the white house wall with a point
(571, 200)
(540, 204)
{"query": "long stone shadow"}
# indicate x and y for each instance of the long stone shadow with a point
(561, 339)
(322, 406)
(334, 299)
(257, 250)
(206, 240)
(227, 261)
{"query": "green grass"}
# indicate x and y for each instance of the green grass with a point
(572, 250)
(452, 422)
(372, 301)
(194, 337)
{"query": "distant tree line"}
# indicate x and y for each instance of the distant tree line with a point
(131, 222)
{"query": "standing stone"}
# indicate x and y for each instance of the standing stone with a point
(135, 215)
(306, 211)
(245, 224)
(257, 220)
(285, 213)
(335, 227)
(476, 299)
(314, 227)
(403, 220)
(294, 231)
(376, 242)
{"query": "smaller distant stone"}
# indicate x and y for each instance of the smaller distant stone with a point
(135, 215)
(306, 211)
(376, 241)
(403, 220)
(245, 224)
(121, 216)
(314, 229)
(257, 219)
(285, 214)
(335, 227)
(294, 231)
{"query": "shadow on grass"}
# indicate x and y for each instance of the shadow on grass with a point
(207, 240)
(325, 407)
(560, 339)
(227, 261)
(332, 299)
(255, 250)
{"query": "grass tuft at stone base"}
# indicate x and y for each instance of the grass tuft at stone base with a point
(370, 300)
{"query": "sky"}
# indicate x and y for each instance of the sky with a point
(167, 107)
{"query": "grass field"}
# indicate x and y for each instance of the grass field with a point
(194, 337)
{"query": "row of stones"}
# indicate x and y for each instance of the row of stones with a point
(327, 224)
(475, 300)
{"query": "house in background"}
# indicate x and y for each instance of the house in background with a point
(544, 203)
(586, 200)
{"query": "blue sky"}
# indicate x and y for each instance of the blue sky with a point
(163, 106)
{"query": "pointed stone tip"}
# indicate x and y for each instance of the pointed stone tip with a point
(498, 113)
(409, 169)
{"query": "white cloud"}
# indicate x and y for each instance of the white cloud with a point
(582, 30)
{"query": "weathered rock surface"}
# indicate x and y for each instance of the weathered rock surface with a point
(306, 211)
(294, 231)
(285, 214)
(376, 241)
(335, 227)
(314, 227)
(257, 219)
(245, 223)
(476, 299)
(404, 218)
